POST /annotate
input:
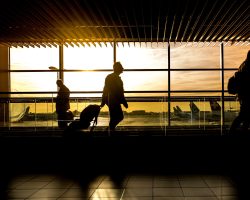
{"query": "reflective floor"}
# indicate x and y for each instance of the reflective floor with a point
(132, 187)
(145, 167)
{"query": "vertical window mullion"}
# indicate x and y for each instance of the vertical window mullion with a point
(61, 63)
(222, 86)
(169, 82)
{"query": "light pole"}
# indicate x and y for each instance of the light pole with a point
(55, 69)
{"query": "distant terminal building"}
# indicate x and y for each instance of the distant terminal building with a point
(138, 112)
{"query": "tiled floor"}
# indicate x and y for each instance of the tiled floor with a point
(129, 187)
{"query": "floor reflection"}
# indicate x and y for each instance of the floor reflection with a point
(126, 187)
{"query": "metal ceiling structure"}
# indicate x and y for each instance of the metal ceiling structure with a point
(46, 23)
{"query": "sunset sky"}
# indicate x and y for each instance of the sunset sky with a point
(132, 57)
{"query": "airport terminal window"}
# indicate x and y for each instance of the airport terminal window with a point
(33, 82)
(133, 81)
(146, 81)
(33, 58)
(85, 81)
(193, 70)
(190, 57)
(88, 57)
(195, 80)
(143, 55)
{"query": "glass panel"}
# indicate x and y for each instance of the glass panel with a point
(40, 112)
(145, 81)
(143, 55)
(85, 81)
(83, 58)
(183, 115)
(190, 56)
(33, 58)
(234, 55)
(198, 113)
(186, 112)
(35, 112)
(195, 80)
(133, 81)
(145, 114)
(33, 82)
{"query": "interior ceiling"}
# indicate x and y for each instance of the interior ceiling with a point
(93, 22)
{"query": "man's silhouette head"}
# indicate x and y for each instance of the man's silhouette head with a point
(59, 82)
(118, 68)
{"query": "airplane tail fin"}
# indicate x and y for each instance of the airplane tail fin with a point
(21, 115)
(175, 110)
(178, 108)
(215, 106)
(193, 107)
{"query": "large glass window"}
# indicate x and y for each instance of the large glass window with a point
(189, 56)
(143, 55)
(33, 81)
(85, 81)
(88, 57)
(25, 59)
(195, 82)
(33, 58)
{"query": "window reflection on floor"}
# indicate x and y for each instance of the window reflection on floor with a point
(188, 187)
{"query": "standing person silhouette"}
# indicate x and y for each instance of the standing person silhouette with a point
(243, 96)
(62, 104)
(113, 96)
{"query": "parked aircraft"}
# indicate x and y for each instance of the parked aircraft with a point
(19, 117)
(196, 114)
(179, 114)
(216, 112)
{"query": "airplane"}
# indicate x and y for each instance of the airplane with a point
(215, 106)
(179, 114)
(196, 114)
(19, 117)
(214, 115)
(216, 112)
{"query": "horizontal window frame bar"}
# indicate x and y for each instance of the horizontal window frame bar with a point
(129, 92)
(129, 99)
(125, 70)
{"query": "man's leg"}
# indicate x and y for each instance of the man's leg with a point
(116, 116)
(61, 120)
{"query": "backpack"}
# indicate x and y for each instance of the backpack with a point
(231, 86)
(234, 83)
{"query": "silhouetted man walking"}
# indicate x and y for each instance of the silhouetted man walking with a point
(243, 96)
(62, 104)
(113, 96)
